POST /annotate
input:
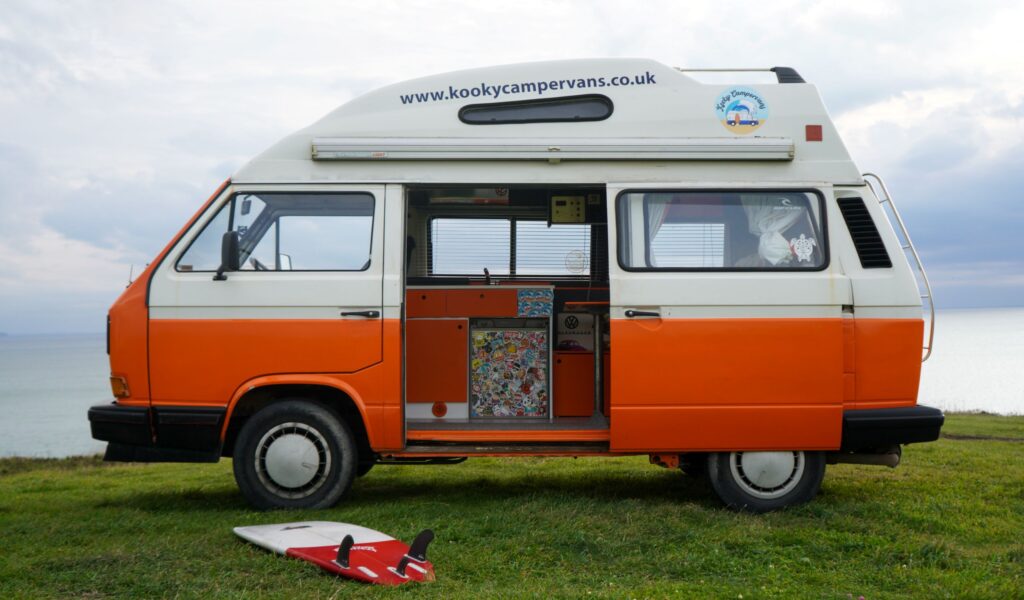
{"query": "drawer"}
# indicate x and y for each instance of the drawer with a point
(481, 303)
(425, 303)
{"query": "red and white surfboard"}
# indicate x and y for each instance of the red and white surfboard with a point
(347, 550)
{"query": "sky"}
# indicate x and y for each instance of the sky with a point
(119, 118)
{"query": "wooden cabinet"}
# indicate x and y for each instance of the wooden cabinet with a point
(573, 375)
(425, 303)
(486, 302)
(437, 366)
(480, 302)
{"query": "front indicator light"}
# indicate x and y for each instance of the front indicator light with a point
(119, 385)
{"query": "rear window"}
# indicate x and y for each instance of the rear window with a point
(721, 230)
(508, 247)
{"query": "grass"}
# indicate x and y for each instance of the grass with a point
(948, 523)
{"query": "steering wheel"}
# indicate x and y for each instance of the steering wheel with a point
(256, 264)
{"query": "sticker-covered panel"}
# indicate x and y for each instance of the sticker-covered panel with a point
(509, 373)
(535, 302)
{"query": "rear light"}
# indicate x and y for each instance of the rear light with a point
(119, 385)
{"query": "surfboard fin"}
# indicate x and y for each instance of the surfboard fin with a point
(418, 548)
(402, 564)
(343, 551)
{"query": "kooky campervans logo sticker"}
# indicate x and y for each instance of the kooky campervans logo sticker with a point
(741, 110)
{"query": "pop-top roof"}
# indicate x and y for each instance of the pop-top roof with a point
(438, 128)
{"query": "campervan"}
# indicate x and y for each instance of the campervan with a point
(561, 259)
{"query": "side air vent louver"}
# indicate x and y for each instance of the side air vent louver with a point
(866, 240)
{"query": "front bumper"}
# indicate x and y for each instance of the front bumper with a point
(874, 428)
(158, 434)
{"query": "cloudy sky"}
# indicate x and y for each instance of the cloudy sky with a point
(117, 119)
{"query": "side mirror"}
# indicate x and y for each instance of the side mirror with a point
(229, 253)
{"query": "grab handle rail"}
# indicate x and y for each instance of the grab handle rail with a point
(907, 244)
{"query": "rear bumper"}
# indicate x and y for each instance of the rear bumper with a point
(158, 434)
(884, 427)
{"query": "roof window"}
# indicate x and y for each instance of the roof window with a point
(568, 109)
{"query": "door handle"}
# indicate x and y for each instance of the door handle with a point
(369, 314)
(632, 314)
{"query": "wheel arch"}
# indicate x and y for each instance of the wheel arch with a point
(334, 395)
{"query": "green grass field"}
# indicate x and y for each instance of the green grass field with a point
(948, 523)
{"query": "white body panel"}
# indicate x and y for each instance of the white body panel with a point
(673, 106)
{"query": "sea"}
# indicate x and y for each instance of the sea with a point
(48, 382)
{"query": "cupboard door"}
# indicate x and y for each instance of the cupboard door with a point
(436, 363)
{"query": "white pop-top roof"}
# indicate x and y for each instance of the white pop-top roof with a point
(667, 125)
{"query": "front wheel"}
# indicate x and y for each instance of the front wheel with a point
(294, 454)
(765, 481)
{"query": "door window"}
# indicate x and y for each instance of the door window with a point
(723, 231)
(289, 232)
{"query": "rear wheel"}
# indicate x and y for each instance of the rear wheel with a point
(765, 481)
(294, 454)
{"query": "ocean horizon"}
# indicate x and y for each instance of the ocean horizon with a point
(48, 381)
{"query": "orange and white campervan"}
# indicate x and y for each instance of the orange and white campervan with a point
(572, 258)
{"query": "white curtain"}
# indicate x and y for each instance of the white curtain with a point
(657, 207)
(768, 217)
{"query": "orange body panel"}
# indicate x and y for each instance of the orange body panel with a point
(498, 455)
(740, 384)
(706, 428)
(436, 355)
(888, 359)
(128, 342)
(376, 391)
(129, 322)
(203, 361)
(525, 435)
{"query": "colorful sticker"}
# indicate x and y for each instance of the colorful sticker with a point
(509, 375)
(741, 110)
(535, 303)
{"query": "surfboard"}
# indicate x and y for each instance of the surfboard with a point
(348, 550)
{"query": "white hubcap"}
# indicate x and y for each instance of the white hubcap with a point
(292, 460)
(767, 475)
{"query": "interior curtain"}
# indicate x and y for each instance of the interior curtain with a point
(657, 209)
(768, 217)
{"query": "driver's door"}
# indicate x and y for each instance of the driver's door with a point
(307, 300)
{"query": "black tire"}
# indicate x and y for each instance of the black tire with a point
(785, 478)
(275, 453)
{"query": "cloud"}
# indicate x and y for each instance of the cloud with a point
(118, 118)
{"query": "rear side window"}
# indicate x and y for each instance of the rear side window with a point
(289, 232)
(721, 230)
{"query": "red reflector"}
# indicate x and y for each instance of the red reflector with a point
(814, 133)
